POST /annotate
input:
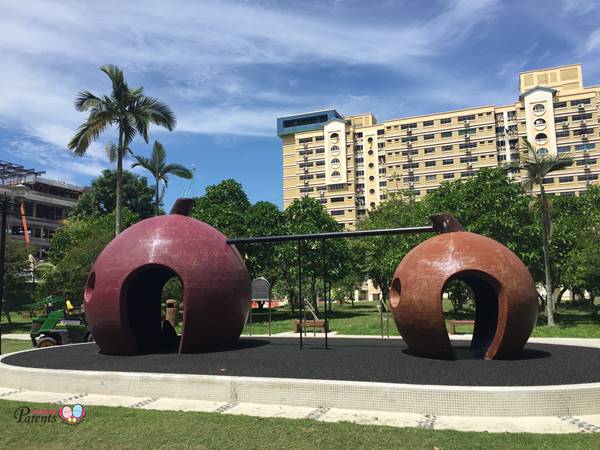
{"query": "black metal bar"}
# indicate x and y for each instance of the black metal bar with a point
(2, 249)
(300, 290)
(324, 258)
(332, 235)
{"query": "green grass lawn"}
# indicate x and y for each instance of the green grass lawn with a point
(363, 319)
(12, 345)
(17, 325)
(108, 427)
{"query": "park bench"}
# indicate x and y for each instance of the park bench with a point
(300, 324)
(453, 324)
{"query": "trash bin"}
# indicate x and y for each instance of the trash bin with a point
(172, 312)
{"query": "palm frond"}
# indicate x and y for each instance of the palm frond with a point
(144, 162)
(158, 112)
(88, 132)
(159, 155)
(85, 100)
(111, 152)
(120, 89)
(178, 170)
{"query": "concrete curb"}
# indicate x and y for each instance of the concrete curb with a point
(560, 400)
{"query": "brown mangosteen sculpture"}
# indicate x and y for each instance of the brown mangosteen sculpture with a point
(504, 291)
(123, 291)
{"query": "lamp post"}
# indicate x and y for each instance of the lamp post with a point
(18, 194)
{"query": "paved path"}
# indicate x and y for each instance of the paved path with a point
(554, 425)
(17, 337)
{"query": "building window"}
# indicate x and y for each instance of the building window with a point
(448, 176)
(359, 173)
(467, 117)
(542, 151)
(305, 164)
(590, 161)
(410, 152)
(319, 138)
(409, 139)
(541, 138)
(335, 150)
(429, 137)
(589, 177)
(429, 150)
(446, 120)
(539, 109)
(430, 163)
(447, 134)
(430, 177)
(337, 199)
(428, 123)
(539, 123)
(334, 138)
(382, 170)
(561, 119)
(381, 145)
(305, 140)
(468, 145)
(587, 116)
(306, 177)
(579, 148)
(305, 152)
(380, 132)
(410, 166)
(565, 179)
(562, 134)
(583, 101)
(337, 213)
(563, 149)
(466, 159)
(411, 179)
(320, 150)
(408, 126)
(467, 173)
(320, 175)
(466, 131)
(335, 162)
(548, 180)
(446, 148)
(559, 105)
(382, 183)
(447, 162)
(320, 162)
(582, 131)
(306, 189)
(335, 174)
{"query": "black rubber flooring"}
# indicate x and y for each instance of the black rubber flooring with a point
(376, 360)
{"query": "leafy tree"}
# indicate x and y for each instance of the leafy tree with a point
(382, 254)
(100, 199)
(17, 265)
(263, 219)
(581, 268)
(73, 250)
(537, 166)
(492, 205)
(224, 206)
(160, 170)
(127, 109)
(307, 215)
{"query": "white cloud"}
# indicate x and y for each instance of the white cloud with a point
(593, 41)
(205, 59)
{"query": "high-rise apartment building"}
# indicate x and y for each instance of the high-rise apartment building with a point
(352, 163)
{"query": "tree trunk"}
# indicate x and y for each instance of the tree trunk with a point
(7, 315)
(119, 192)
(157, 198)
(546, 246)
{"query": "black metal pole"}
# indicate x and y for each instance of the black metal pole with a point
(2, 256)
(325, 290)
(300, 290)
(332, 235)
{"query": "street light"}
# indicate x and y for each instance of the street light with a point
(17, 196)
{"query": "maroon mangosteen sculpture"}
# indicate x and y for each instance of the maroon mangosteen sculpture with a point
(504, 291)
(123, 291)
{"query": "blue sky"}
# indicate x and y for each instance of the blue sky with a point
(228, 69)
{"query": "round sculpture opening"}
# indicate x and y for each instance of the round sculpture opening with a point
(484, 291)
(142, 297)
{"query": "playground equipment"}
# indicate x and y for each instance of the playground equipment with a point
(123, 291)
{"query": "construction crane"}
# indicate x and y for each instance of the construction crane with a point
(187, 191)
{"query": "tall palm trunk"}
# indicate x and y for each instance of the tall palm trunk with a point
(118, 201)
(546, 246)
(157, 196)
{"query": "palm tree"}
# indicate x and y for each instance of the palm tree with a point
(128, 110)
(537, 166)
(158, 167)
